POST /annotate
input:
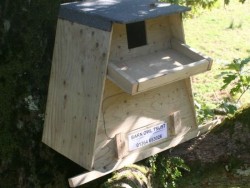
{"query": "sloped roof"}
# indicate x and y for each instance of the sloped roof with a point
(102, 13)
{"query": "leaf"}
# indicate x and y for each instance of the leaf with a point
(238, 64)
(235, 65)
(226, 2)
(228, 79)
(242, 1)
(222, 74)
(245, 80)
(236, 89)
(245, 61)
(229, 108)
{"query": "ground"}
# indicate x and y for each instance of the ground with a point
(220, 158)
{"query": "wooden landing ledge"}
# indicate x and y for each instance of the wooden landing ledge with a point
(156, 69)
(172, 142)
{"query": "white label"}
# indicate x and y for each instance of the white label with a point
(141, 138)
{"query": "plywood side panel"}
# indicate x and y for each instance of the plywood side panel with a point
(158, 33)
(176, 27)
(158, 37)
(75, 91)
(189, 89)
(123, 113)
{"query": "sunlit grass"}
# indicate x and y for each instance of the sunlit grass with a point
(222, 33)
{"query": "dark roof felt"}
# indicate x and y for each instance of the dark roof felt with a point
(102, 13)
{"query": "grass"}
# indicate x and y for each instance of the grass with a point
(223, 34)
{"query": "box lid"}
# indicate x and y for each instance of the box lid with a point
(102, 13)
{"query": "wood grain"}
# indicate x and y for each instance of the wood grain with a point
(158, 68)
(158, 37)
(75, 91)
(123, 113)
(88, 116)
(89, 176)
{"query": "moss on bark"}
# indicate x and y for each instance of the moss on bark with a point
(27, 31)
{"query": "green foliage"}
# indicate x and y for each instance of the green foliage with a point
(237, 76)
(195, 5)
(203, 111)
(228, 1)
(152, 163)
(228, 107)
(166, 171)
(198, 3)
(234, 26)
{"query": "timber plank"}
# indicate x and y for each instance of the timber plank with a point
(75, 91)
(156, 69)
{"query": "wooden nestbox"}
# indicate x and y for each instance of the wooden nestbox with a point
(120, 87)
